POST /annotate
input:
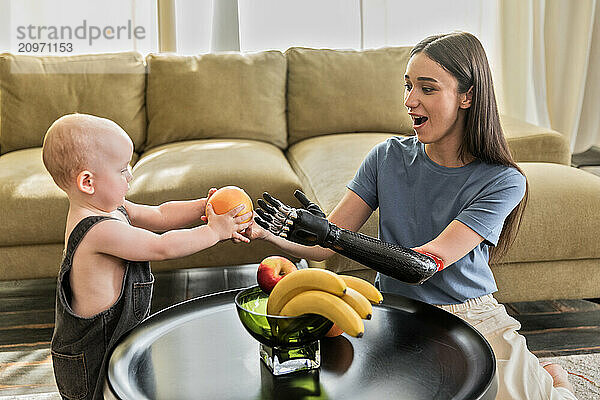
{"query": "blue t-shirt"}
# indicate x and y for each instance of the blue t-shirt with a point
(418, 198)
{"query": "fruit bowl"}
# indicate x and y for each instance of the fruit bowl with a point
(287, 344)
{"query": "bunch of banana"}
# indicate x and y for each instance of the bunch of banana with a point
(339, 298)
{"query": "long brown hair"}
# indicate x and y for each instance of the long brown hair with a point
(462, 55)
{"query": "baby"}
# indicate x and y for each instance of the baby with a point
(105, 284)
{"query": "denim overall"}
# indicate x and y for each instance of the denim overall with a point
(80, 346)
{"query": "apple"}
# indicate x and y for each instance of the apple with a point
(271, 270)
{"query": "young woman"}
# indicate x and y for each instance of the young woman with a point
(450, 199)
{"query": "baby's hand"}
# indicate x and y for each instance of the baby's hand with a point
(204, 200)
(228, 226)
(255, 231)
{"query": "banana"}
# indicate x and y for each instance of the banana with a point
(328, 305)
(302, 280)
(364, 288)
(359, 302)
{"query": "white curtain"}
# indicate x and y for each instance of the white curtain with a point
(549, 57)
(517, 52)
(587, 133)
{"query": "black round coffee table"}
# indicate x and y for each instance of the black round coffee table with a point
(199, 349)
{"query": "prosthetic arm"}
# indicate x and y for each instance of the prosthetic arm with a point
(308, 226)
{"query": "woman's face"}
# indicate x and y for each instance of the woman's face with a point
(433, 102)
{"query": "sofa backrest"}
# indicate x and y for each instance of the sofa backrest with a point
(342, 91)
(280, 99)
(35, 91)
(224, 95)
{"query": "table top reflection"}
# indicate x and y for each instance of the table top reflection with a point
(199, 349)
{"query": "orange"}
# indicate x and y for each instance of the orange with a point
(334, 331)
(228, 198)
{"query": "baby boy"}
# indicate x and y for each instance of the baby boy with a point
(105, 284)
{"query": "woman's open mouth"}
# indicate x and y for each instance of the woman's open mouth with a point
(419, 121)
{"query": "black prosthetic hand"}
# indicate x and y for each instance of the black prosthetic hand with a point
(308, 226)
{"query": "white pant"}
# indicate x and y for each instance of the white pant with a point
(520, 376)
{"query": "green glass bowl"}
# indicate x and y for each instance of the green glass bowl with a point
(275, 330)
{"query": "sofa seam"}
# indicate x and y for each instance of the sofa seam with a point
(554, 134)
(299, 170)
(543, 261)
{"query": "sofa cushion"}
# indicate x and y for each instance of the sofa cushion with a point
(532, 143)
(187, 170)
(549, 280)
(561, 221)
(33, 208)
(30, 261)
(35, 91)
(340, 91)
(221, 96)
(562, 218)
(325, 164)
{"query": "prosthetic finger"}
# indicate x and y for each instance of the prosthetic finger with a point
(274, 218)
(285, 210)
(263, 204)
(309, 205)
(264, 215)
(302, 198)
(272, 200)
(274, 227)
(262, 223)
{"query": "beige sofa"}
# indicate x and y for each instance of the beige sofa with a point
(267, 121)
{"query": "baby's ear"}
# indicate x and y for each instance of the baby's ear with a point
(85, 182)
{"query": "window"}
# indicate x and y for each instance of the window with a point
(279, 24)
(405, 23)
(194, 26)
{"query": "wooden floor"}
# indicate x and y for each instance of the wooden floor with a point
(552, 328)
(559, 327)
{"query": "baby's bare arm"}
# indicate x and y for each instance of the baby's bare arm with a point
(128, 242)
(167, 216)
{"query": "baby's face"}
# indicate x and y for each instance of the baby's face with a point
(112, 170)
